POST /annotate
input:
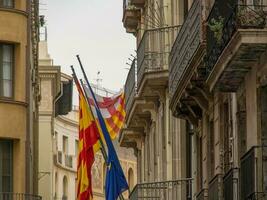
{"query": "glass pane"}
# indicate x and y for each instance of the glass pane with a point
(7, 53)
(6, 171)
(7, 88)
(6, 168)
(8, 3)
(7, 70)
(7, 184)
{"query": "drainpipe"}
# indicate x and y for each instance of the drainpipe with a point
(28, 100)
(53, 129)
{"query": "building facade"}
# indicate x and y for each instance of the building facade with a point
(56, 100)
(58, 137)
(202, 123)
(19, 98)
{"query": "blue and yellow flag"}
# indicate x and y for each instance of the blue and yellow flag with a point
(116, 182)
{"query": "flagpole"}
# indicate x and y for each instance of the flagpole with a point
(103, 150)
(87, 82)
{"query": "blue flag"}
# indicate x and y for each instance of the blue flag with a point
(115, 180)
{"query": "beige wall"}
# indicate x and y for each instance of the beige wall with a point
(17, 117)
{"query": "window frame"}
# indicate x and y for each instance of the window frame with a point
(11, 175)
(12, 71)
(2, 4)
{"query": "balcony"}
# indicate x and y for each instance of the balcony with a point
(230, 184)
(202, 195)
(131, 16)
(167, 190)
(153, 56)
(138, 3)
(130, 87)
(253, 174)
(236, 38)
(18, 196)
(187, 52)
(215, 188)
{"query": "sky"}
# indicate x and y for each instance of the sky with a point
(94, 30)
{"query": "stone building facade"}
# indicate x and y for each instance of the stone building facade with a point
(199, 117)
(58, 137)
(19, 98)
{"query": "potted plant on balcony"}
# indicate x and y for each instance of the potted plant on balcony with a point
(216, 26)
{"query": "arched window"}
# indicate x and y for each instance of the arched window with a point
(65, 188)
(130, 179)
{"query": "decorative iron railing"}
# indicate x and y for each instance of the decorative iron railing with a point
(202, 195)
(224, 20)
(215, 188)
(186, 44)
(125, 4)
(167, 190)
(154, 49)
(230, 184)
(130, 86)
(18, 196)
(253, 174)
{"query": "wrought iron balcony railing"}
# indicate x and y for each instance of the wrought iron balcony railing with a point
(215, 188)
(230, 184)
(253, 174)
(225, 19)
(185, 46)
(167, 190)
(202, 195)
(154, 49)
(125, 4)
(130, 87)
(18, 196)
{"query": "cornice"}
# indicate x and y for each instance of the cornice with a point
(13, 10)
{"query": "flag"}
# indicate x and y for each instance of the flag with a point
(88, 137)
(112, 110)
(115, 179)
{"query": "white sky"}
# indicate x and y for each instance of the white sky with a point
(94, 30)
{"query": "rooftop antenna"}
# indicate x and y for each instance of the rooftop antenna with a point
(98, 81)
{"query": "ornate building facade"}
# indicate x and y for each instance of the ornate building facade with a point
(19, 98)
(196, 117)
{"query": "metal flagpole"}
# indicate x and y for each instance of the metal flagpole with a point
(103, 150)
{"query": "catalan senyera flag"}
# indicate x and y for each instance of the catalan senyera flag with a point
(113, 111)
(115, 179)
(88, 138)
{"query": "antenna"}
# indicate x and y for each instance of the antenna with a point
(98, 81)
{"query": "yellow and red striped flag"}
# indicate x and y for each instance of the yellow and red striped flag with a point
(88, 138)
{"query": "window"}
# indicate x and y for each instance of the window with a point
(6, 69)
(6, 165)
(7, 3)
(76, 147)
(65, 145)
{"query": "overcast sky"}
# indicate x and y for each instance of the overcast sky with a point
(92, 29)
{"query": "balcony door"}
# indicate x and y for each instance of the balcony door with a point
(6, 166)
